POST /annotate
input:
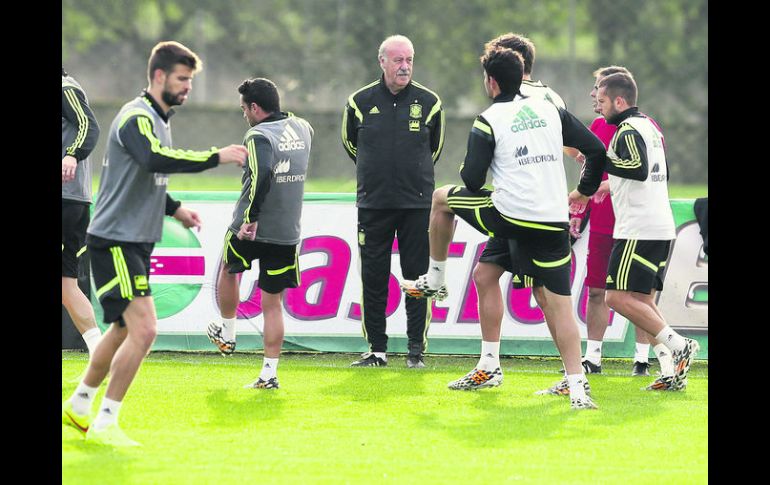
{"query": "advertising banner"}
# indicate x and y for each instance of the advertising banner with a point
(324, 312)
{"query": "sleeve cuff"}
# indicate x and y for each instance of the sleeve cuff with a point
(172, 205)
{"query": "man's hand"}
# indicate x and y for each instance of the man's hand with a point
(574, 227)
(580, 158)
(577, 202)
(233, 154)
(248, 231)
(188, 218)
(601, 193)
(69, 165)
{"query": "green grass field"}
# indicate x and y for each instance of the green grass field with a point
(330, 423)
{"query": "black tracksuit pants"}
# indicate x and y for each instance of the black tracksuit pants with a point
(376, 228)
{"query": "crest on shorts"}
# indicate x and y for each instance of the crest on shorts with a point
(361, 238)
(415, 110)
(140, 282)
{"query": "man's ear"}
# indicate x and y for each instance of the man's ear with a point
(159, 76)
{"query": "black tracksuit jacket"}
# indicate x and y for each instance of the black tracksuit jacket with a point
(394, 140)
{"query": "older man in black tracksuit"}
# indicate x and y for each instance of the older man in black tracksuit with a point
(393, 129)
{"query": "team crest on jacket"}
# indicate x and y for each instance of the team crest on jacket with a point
(415, 110)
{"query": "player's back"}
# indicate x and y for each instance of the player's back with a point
(537, 89)
(527, 166)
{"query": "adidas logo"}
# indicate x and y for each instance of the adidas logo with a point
(516, 279)
(267, 366)
(106, 411)
(290, 140)
(521, 151)
(83, 395)
(374, 111)
(282, 166)
(609, 279)
(527, 119)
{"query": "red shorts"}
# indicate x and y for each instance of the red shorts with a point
(599, 251)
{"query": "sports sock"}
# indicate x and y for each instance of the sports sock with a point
(576, 383)
(269, 368)
(381, 355)
(594, 351)
(665, 360)
(671, 339)
(91, 338)
(108, 413)
(82, 398)
(228, 328)
(490, 356)
(436, 273)
(642, 353)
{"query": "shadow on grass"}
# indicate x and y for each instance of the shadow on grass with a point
(236, 408)
(498, 422)
(95, 463)
(497, 417)
(381, 384)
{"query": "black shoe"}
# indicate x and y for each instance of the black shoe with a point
(591, 368)
(369, 360)
(414, 359)
(260, 383)
(641, 369)
(588, 368)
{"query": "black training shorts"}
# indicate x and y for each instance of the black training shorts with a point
(637, 265)
(278, 264)
(74, 222)
(537, 250)
(121, 272)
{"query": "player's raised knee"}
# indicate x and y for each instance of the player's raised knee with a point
(440, 195)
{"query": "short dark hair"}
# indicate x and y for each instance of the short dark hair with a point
(261, 91)
(167, 54)
(517, 43)
(607, 70)
(506, 66)
(620, 84)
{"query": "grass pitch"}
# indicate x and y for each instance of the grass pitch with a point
(330, 423)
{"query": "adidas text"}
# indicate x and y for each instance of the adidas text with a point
(291, 145)
(526, 125)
